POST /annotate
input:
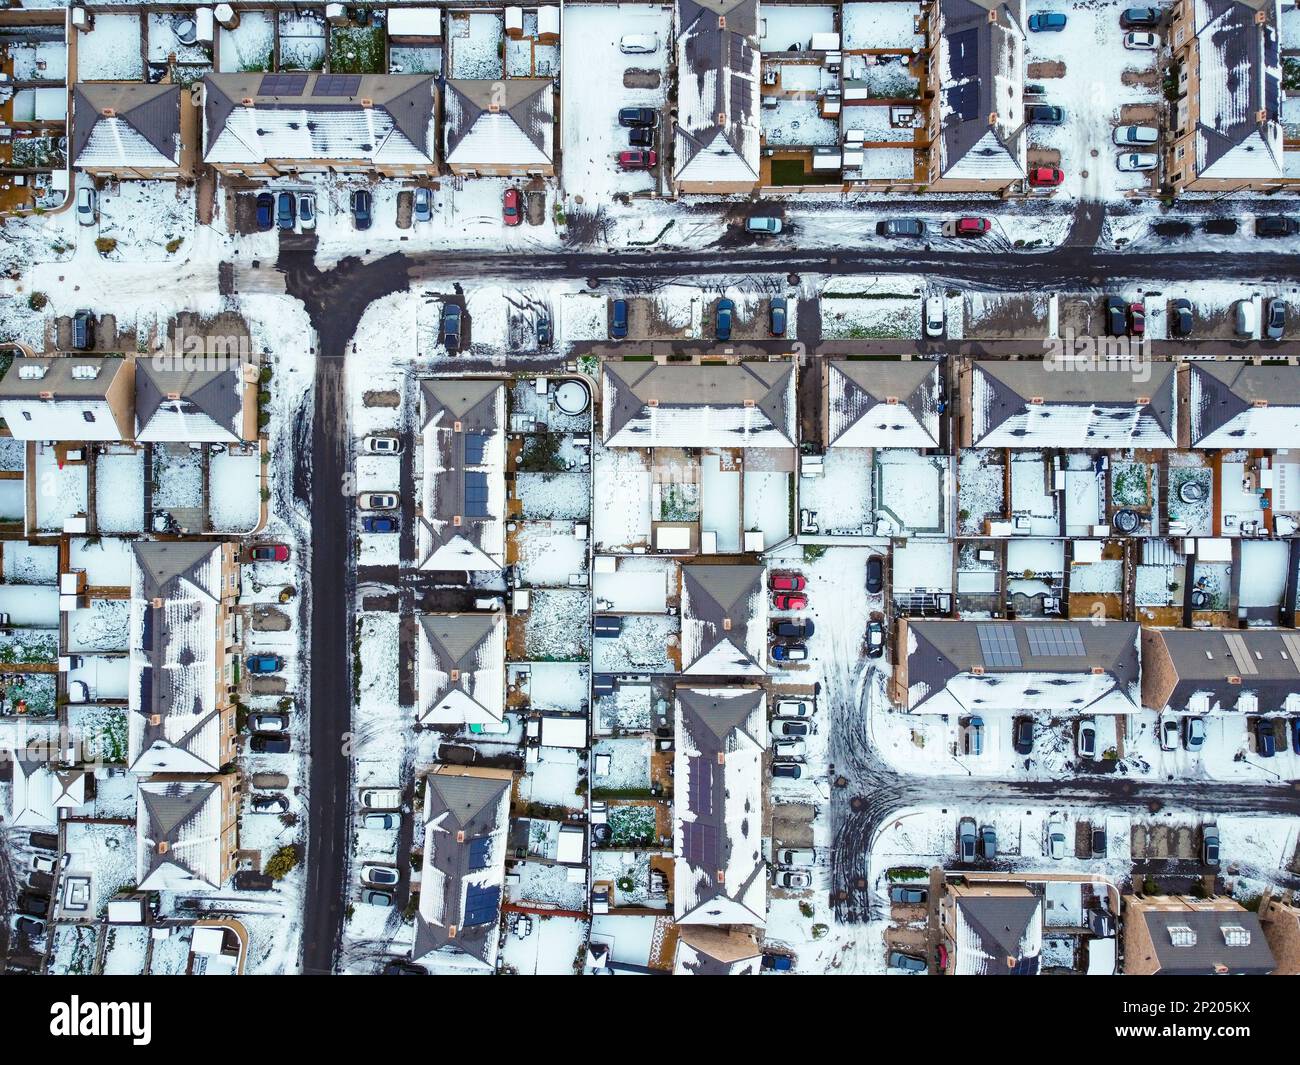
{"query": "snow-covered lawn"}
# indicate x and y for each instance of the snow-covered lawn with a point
(112, 50)
(249, 46)
(235, 489)
(119, 492)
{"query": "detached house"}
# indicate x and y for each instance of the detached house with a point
(133, 130)
(216, 406)
(706, 951)
(69, 397)
(265, 125)
(502, 128)
(182, 637)
(462, 674)
(186, 833)
(39, 790)
(724, 620)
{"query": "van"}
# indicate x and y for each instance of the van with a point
(381, 798)
(1247, 318)
(934, 316)
(639, 43)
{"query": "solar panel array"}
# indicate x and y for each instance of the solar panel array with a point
(700, 845)
(476, 495)
(282, 85)
(998, 645)
(337, 85)
(701, 787)
(480, 851)
(1058, 640)
(481, 904)
(475, 445)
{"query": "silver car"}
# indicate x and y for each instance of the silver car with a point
(422, 205)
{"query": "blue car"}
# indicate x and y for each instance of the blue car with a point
(263, 663)
(361, 209)
(284, 214)
(790, 652)
(725, 310)
(1047, 22)
(780, 963)
(265, 211)
(618, 321)
(1265, 741)
(378, 523)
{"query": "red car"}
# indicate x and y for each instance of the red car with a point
(268, 553)
(790, 602)
(972, 227)
(1137, 319)
(1041, 177)
(636, 159)
(786, 582)
(510, 207)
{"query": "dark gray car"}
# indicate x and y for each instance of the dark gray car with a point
(988, 841)
(901, 227)
(966, 839)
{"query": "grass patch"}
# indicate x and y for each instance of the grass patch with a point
(356, 50)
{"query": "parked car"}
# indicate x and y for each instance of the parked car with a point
(776, 308)
(449, 325)
(988, 842)
(794, 708)
(1087, 740)
(637, 159)
(1210, 845)
(789, 750)
(1056, 840)
(373, 897)
(306, 211)
(1126, 136)
(261, 744)
(798, 628)
(1046, 22)
(966, 839)
(908, 896)
(1182, 317)
(1045, 177)
(792, 879)
(1247, 318)
(383, 444)
(1137, 319)
(901, 227)
(1275, 319)
(284, 210)
(1098, 836)
(786, 582)
(87, 206)
(44, 863)
(380, 523)
(641, 137)
(1193, 733)
(787, 770)
(934, 314)
(1139, 16)
(1295, 735)
(268, 721)
(265, 211)
(1275, 225)
(264, 663)
(422, 204)
(378, 875)
(796, 856)
(875, 639)
(789, 728)
(1141, 41)
(1265, 740)
(974, 736)
(1116, 317)
(1044, 115)
(543, 332)
(269, 553)
(385, 822)
(1131, 162)
(763, 224)
(792, 601)
(361, 203)
(790, 652)
(1023, 736)
(722, 322)
(380, 798)
(777, 963)
(83, 331)
(36, 905)
(32, 927)
(639, 43)
(511, 207)
(378, 500)
(269, 804)
(909, 963)
(875, 574)
(618, 320)
(970, 226)
(1169, 734)
(638, 116)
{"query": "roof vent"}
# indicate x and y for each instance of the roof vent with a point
(83, 371)
(32, 371)
(45, 394)
(1235, 936)
(1180, 935)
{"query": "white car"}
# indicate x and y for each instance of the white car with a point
(789, 749)
(381, 821)
(378, 875)
(383, 445)
(796, 856)
(793, 708)
(1056, 840)
(1131, 162)
(1135, 135)
(306, 211)
(1142, 41)
(1169, 734)
(381, 798)
(934, 316)
(87, 210)
(377, 500)
(43, 863)
(763, 225)
(793, 879)
(639, 43)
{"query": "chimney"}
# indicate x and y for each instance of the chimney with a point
(109, 112)
(749, 403)
(247, 101)
(456, 521)
(173, 396)
(726, 624)
(993, 15)
(977, 671)
(1097, 671)
(366, 102)
(1261, 116)
(494, 109)
(722, 758)
(722, 22)
(155, 720)
(451, 931)
(1234, 680)
(1261, 403)
(652, 403)
(1035, 401)
(460, 836)
(456, 427)
(722, 118)
(721, 876)
(993, 118)
(891, 401)
(1260, 18)
(455, 676)
(1142, 401)
(46, 395)
(163, 846)
(156, 602)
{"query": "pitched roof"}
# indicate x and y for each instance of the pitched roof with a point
(724, 620)
(705, 951)
(1189, 942)
(188, 405)
(748, 404)
(462, 668)
(501, 123)
(179, 835)
(49, 398)
(126, 124)
(1230, 669)
(32, 793)
(998, 935)
(1041, 404)
(884, 404)
(1240, 405)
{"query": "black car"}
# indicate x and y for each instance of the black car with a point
(266, 743)
(543, 332)
(449, 327)
(641, 137)
(875, 574)
(29, 926)
(1044, 114)
(901, 227)
(1275, 225)
(402, 967)
(776, 316)
(638, 116)
(1139, 18)
(36, 905)
(1099, 843)
(380, 523)
(1024, 735)
(361, 208)
(875, 639)
(1182, 317)
(1265, 739)
(44, 841)
(618, 320)
(83, 331)
(798, 629)
(265, 211)
(284, 210)
(1116, 317)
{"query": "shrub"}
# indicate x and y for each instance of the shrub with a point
(264, 375)
(37, 301)
(282, 863)
(263, 418)
(105, 245)
(806, 909)
(174, 245)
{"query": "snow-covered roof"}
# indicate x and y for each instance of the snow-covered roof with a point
(462, 669)
(1039, 404)
(1203, 670)
(189, 406)
(131, 125)
(67, 397)
(721, 874)
(718, 75)
(500, 123)
(175, 713)
(706, 951)
(465, 829)
(960, 667)
(981, 89)
(179, 835)
(380, 118)
(1239, 128)
(997, 934)
(748, 404)
(33, 792)
(1240, 405)
(724, 620)
(883, 403)
(462, 524)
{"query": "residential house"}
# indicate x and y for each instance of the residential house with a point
(266, 125)
(720, 875)
(724, 620)
(462, 520)
(1227, 122)
(69, 398)
(466, 822)
(960, 667)
(717, 133)
(976, 122)
(882, 403)
(502, 128)
(462, 672)
(991, 929)
(1036, 404)
(131, 129)
(1280, 920)
(40, 790)
(187, 832)
(1202, 670)
(183, 655)
(217, 405)
(1175, 935)
(706, 951)
(1236, 405)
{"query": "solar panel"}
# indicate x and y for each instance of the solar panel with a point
(337, 85)
(1054, 640)
(146, 689)
(701, 787)
(481, 905)
(146, 629)
(742, 95)
(700, 845)
(964, 99)
(480, 851)
(282, 85)
(1241, 655)
(998, 645)
(963, 54)
(476, 495)
(475, 445)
